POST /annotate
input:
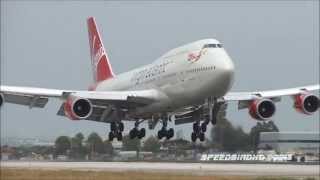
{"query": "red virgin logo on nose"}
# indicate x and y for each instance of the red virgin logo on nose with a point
(194, 57)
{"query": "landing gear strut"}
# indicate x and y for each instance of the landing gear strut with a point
(135, 132)
(116, 129)
(163, 132)
(214, 107)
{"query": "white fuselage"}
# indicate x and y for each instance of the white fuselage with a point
(183, 76)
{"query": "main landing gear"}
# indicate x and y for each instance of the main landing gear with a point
(199, 130)
(163, 132)
(209, 114)
(116, 129)
(135, 132)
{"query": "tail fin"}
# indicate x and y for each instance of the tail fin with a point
(100, 63)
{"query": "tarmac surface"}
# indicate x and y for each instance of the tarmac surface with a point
(180, 168)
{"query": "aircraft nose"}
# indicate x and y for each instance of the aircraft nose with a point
(228, 67)
(227, 73)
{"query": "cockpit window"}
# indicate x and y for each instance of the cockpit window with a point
(212, 46)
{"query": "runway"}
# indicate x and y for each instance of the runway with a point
(181, 168)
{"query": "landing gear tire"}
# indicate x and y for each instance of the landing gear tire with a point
(195, 127)
(119, 136)
(170, 133)
(142, 133)
(201, 137)
(204, 127)
(133, 133)
(113, 126)
(199, 131)
(116, 129)
(193, 137)
(161, 134)
(166, 133)
(121, 126)
(111, 136)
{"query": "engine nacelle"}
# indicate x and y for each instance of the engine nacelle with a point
(306, 103)
(1, 99)
(76, 108)
(262, 109)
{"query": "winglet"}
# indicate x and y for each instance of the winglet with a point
(102, 69)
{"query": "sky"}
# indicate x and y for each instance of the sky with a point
(274, 44)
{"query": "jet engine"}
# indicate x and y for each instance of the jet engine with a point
(306, 103)
(262, 109)
(1, 99)
(77, 108)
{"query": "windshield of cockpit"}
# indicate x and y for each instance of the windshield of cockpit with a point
(212, 46)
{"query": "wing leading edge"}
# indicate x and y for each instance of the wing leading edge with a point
(242, 96)
(261, 104)
(38, 97)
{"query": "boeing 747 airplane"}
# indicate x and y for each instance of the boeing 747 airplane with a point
(188, 84)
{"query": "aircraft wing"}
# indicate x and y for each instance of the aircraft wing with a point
(275, 95)
(32, 97)
(100, 100)
(244, 100)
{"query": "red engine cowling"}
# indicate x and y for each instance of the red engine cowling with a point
(77, 108)
(306, 103)
(262, 109)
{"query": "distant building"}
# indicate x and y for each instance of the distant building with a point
(62, 158)
(294, 142)
(5, 156)
(7, 153)
(117, 145)
(20, 141)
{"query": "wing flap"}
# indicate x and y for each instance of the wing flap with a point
(27, 100)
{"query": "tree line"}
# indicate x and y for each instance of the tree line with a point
(78, 147)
